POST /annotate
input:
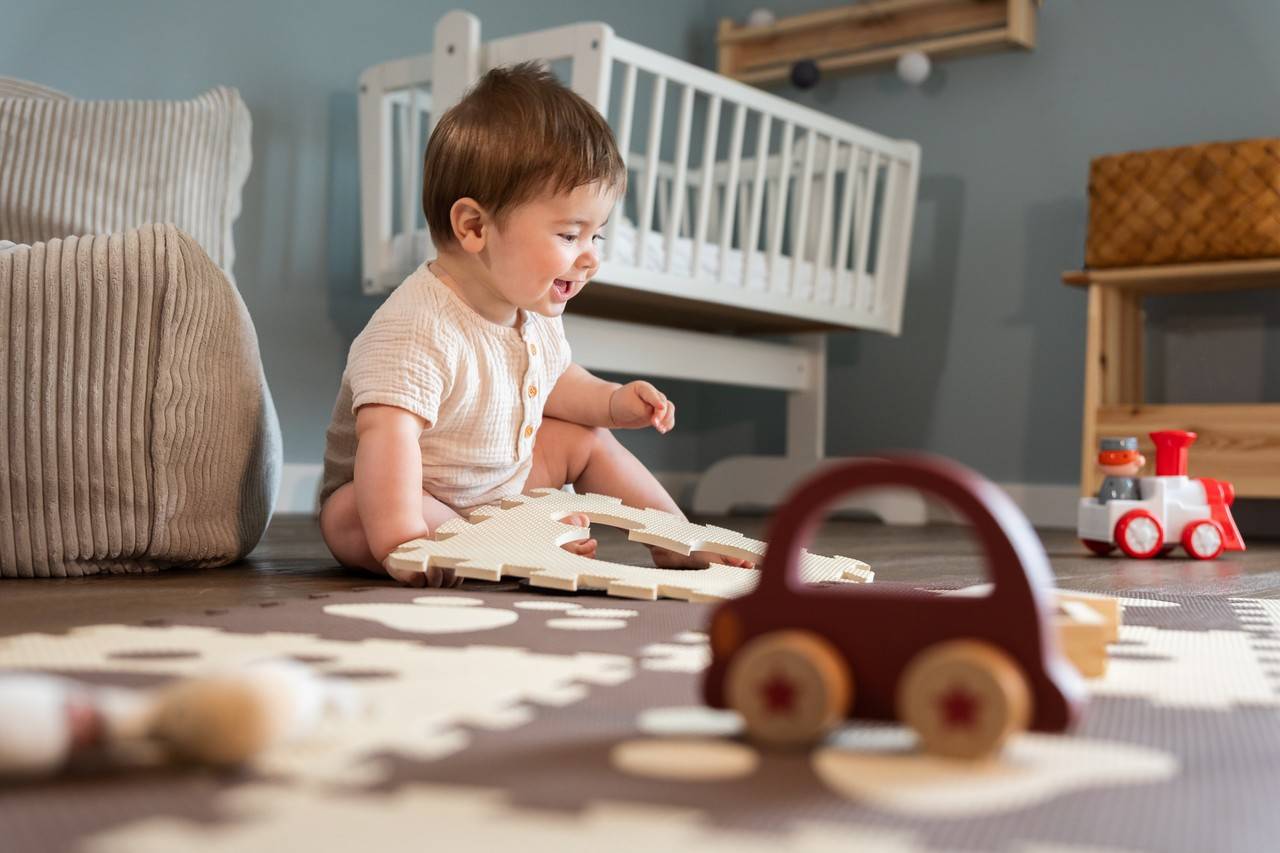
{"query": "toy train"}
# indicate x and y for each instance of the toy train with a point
(1173, 509)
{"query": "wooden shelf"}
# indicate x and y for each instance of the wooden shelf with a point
(872, 33)
(1239, 443)
(1215, 276)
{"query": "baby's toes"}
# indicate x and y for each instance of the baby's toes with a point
(582, 547)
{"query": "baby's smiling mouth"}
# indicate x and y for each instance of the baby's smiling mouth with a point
(564, 287)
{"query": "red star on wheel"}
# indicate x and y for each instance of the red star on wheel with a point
(959, 707)
(779, 694)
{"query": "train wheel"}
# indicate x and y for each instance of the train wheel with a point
(1098, 547)
(790, 687)
(1139, 534)
(1203, 539)
(964, 698)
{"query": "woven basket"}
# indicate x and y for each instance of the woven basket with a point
(1212, 202)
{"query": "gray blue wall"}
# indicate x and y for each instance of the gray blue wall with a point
(989, 367)
(295, 64)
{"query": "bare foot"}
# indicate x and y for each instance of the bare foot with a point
(583, 547)
(665, 559)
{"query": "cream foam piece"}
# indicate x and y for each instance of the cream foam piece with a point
(418, 619)
(418, 710)
(522, 536)
(880, 766)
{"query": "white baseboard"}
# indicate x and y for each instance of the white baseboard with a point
(1047, 505)
(299, 489)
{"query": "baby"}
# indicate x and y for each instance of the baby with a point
(461, 390)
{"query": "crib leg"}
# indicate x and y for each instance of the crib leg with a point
(763, 481)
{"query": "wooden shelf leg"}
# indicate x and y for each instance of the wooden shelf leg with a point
(1114, 353)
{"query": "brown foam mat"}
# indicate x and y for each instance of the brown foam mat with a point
(572, 722)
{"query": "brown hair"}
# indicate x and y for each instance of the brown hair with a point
(518, 132)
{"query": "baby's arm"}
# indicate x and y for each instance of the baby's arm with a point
(582, 398)
(388, 477)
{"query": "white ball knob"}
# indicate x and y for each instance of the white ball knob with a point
(914, 67)
(35, 734)
(761, 18)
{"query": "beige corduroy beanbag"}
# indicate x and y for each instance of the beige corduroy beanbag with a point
(136, 429)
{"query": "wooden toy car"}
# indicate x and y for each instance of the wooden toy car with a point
(1173, 509)
(964, 671)
(1086, 624)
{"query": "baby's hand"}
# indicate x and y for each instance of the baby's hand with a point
(638, 404)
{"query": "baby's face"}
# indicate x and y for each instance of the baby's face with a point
(549, 248)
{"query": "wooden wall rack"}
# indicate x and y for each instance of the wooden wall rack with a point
(872, 33)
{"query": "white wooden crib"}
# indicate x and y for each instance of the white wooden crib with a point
(755, 216)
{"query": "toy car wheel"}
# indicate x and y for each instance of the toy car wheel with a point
(790, 687)
(964, 698)
(1139, 534)
(1098, 547)
(1203, 539)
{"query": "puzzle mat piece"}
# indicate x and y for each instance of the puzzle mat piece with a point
(882, 767)
(268, 817)
(1214, 670)
(414, 699)
(522, 536)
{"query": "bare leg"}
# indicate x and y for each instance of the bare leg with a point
(594, 461)
(344, 534)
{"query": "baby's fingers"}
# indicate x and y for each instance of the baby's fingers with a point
(668, 419)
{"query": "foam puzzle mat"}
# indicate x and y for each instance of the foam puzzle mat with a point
(538, 721)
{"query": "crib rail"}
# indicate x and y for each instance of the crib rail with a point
(735, 196)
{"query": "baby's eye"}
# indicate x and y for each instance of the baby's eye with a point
(569, 238)
(599, 237)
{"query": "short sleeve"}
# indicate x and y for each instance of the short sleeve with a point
(401, 360)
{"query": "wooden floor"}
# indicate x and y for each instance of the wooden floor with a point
(292, 561)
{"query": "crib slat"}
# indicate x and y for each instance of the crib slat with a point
(800, 237)
(820, 260)
(652, 151)
(867, 203)
(408, 162)
(731, 187)
(750, 239)
(888, 218)
(678, 188)
(662, 204)
(625, 110)
(709, 140)
(778, 206)
(842, 292)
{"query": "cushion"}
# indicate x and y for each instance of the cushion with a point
(97, 167)
(136, 428)
(12, 87)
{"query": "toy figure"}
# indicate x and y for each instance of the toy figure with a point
(1120, 460)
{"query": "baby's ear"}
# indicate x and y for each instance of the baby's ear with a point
(468, 221)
